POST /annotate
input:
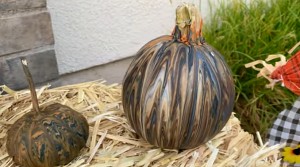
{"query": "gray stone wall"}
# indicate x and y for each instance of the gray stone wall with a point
(26, 31)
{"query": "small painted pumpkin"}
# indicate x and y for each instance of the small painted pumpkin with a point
(46, 137)
(178, 92)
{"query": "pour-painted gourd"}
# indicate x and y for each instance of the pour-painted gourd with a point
(178, 92)
(46, 137)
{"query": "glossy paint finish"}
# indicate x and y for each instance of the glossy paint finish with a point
(178, 92)
(54, 136)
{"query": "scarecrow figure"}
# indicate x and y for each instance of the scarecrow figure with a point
(286, 128)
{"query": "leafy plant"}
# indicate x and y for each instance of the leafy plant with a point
(247, 32)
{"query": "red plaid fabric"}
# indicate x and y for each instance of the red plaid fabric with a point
(289, 74)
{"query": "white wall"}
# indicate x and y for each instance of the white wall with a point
(93, 32)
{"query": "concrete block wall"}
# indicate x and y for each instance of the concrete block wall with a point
(26, 31)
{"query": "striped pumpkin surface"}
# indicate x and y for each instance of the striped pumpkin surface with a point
(178, 92)
(46, 137)
(52, 137)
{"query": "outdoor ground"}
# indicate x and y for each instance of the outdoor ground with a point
(111, 72)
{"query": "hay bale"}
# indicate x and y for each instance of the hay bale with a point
(112, 142)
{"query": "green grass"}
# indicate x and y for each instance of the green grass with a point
(244, 33)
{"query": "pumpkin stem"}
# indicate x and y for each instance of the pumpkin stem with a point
(35, 103)
(188, 24)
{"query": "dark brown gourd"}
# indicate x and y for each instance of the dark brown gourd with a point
(46, 137)
(178, 92)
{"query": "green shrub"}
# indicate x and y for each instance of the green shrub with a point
(244, 33)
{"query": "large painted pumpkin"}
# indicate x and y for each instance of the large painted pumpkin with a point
(46, 137)
(178, 92)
